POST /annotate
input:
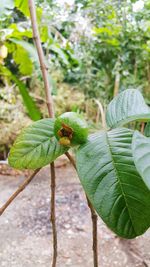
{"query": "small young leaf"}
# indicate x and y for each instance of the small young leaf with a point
(107, 172)
(36, 146)
(126, 107)
(141, 154)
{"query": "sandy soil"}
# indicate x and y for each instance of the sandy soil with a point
(25, 230)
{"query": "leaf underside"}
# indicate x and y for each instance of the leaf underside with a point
(112, 183)
(126, 107)
(141, 154)
(36, 146)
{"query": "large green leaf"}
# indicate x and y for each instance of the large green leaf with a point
(29, 48)
(141, 154)
(36, 146)
(33, 53)
(33, 111)
(107, 172)
(126, 107)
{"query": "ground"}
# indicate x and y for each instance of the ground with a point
(25, 230)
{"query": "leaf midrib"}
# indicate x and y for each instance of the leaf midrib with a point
(24, 155)
(117, 176)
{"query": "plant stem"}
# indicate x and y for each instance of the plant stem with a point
(44, 68)
(142, 127)
(18, 191)
(93, 217)
(117, 84)
(94, 226)
(71, 160)
(117, 78)
(49, 100)
(101, 109)
(53, 218)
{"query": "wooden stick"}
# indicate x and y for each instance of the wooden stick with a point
(49, 100)
(18, 191)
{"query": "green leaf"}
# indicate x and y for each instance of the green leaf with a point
(107, 172)
(32, 109)
(62, 55)
(29, 48)
(126, 107)
(22, 5)
(17, 31)
(23, 61)
(141, 154)
(36, 146)
(147, 130)
(32, 53)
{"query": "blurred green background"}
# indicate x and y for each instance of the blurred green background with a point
(94, 50)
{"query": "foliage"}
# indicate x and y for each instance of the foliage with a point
(36, 146)
(113, 48)
(114, 181)
(29, 103)
(16, 36)
(131, 107)
(141, 153)
(100, 48)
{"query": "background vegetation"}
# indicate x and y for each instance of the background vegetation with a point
(94, 49)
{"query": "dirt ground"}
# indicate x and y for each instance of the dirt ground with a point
(25, 230)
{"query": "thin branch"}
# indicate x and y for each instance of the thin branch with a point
(117, 83)
(71, 160)
(40, 52)
(53, 216)
(93, 217)
(18, 191)
(94, 227)
(49, 101)
(102, 112)
(142, 127)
